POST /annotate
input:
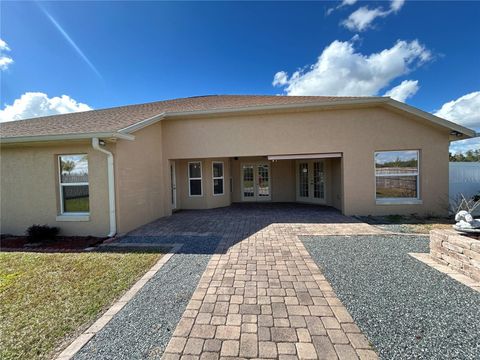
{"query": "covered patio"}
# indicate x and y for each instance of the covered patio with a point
(218, 182)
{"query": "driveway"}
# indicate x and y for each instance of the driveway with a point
(261, 295)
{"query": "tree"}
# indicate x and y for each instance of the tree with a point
(68, 166)
(468, 156)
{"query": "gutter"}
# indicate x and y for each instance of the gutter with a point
(111, 186)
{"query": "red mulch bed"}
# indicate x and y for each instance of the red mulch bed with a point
(60, 243)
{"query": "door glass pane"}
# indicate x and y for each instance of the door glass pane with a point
(318, 180)
(263, 180)
(303, 179)
(248, 190)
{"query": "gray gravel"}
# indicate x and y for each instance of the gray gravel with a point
(407, 309)
(144, 326)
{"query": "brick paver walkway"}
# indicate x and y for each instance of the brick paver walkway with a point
(262, 295)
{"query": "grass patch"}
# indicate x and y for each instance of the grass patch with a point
(47, 297)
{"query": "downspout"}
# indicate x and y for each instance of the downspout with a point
(111, 186)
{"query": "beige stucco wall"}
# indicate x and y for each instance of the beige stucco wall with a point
(357, 133)
(140, 179)
(336, 188)
(207, 200)
(29, 189)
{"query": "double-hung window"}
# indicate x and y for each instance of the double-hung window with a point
(73, 180)
(195, 178)
(397, 175)
(218, 178)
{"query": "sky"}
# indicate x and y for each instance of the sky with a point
(58, 57)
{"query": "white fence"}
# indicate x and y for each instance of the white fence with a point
(464, 179)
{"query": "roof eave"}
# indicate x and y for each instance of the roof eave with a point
(43, 138)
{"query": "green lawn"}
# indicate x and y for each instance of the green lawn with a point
(45, 298)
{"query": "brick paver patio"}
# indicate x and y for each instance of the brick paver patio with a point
(262, 295)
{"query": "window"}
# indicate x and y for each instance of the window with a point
(195, 178)
(217, 172)
(73, 179)
(396, 175)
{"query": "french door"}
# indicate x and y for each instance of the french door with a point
(256, 182)
(311, 181)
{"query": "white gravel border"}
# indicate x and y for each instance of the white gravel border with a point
(428, 260)
(98, 325)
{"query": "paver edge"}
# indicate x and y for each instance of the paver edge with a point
(80, 341)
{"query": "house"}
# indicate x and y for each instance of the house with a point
(111, 170)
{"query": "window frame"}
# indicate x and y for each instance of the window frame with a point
(61, 185)
(218, 178)
(397, 200)
(195, 178)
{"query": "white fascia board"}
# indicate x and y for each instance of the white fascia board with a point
(469, 133)
(41, 138)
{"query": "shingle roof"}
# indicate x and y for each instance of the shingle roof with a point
(114, 119)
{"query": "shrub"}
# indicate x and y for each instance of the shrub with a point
(40, 233)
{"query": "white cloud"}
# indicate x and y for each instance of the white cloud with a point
(396, 5)
(362, 18)
(280, 78)
(465, 110)
(341, 70)
(405, 90)
(462, 146)
(35, 104)
(342, 4)
(5, 60)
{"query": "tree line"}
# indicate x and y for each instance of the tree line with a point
(468, 156)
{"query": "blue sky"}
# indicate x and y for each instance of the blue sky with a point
(103, 54)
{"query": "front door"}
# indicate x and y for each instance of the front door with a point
(256, 182)
(311, 181)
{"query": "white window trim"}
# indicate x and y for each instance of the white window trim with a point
(218, 178)
(196, 178)
(70, 215)
(397, 201)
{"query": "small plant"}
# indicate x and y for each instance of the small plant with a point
(41, 233)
